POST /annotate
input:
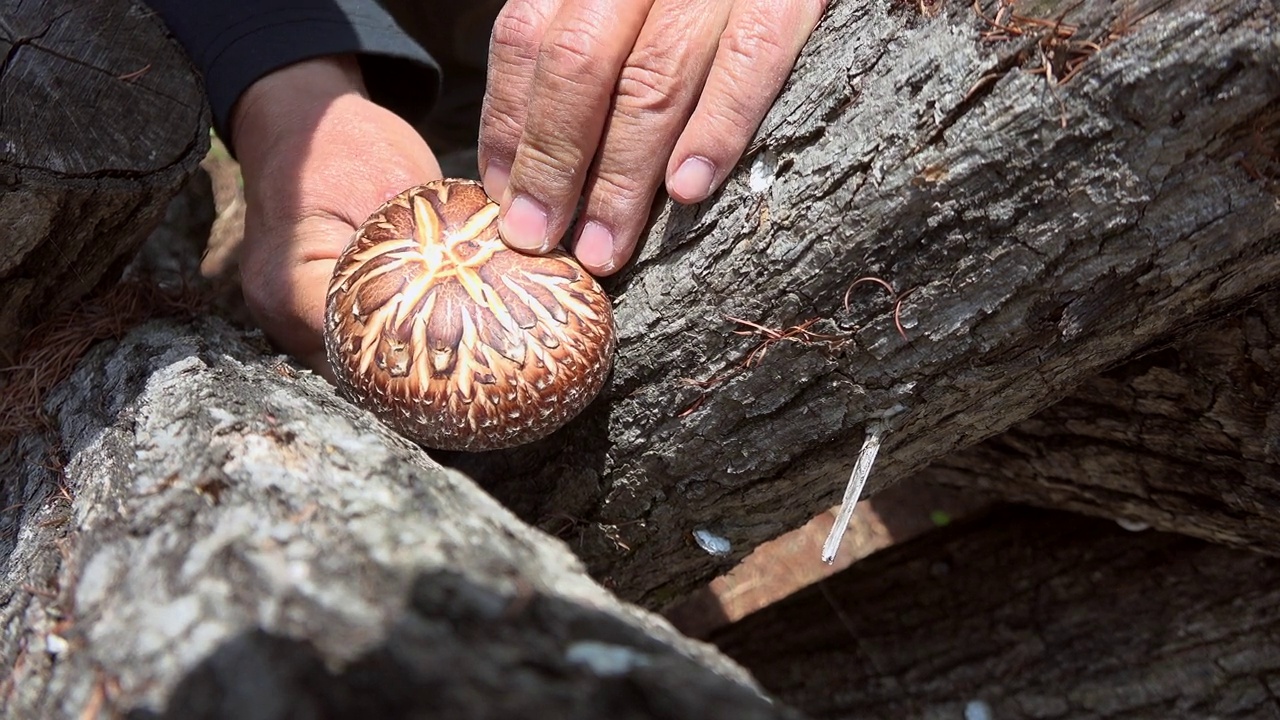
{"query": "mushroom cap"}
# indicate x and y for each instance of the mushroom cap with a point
(452, 338)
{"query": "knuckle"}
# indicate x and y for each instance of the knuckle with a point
(517, 29)
(545, 165)
(573, 53)
(502, 116)
(733, 112)
(649, 82)
(619, 190)
(499, 126)
(751, 40)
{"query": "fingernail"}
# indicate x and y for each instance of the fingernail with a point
(692, 181)
(496, 176)
(524, 226)
(595, 247)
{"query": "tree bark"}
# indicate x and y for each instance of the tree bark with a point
(1028, 613)
(207, 533)
(103, 120)
(210, 524)
(1048, 230)
(1185, 438)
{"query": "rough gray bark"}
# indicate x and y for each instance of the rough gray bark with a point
(222, 520)
(226, 539)
(102, 120)
(1185, 438)
(1049, 232)
(1028, 614)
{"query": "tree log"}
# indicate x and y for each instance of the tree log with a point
(1185, 438)
(1028, 614)
(209, 530)
(102, 120)
(214, 535)
(1048, 225)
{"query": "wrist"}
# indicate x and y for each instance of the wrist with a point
(294, 98)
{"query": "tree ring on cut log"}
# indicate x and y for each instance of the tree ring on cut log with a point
(453, 339)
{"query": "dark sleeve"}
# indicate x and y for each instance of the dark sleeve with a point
(235, 42)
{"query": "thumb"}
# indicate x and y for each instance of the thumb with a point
(286, 291)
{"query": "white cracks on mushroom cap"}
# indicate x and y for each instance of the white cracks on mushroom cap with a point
(371, 336)
(427, 225)
(466, 386)
(394, 358)
(476, 225)
(417, 292)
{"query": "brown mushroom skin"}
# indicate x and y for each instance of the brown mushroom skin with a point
(453, 339)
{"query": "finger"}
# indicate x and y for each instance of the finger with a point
(657, 89)
(757, 51)
(574, 78)
(513, 53)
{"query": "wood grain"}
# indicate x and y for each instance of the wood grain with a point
(102, 119)
(1184, 438)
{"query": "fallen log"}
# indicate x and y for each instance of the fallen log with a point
(1028, 613)
(1050, 225)
(207, 533)
(1055, 193)
(1184, 438)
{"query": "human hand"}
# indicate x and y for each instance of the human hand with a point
(317, 158)
(603, 99)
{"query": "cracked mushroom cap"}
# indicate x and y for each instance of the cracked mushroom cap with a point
(452, 338)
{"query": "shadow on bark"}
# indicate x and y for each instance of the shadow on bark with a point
(1028, 613)
(462, 650)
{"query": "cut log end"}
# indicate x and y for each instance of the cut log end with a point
(103, 120)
